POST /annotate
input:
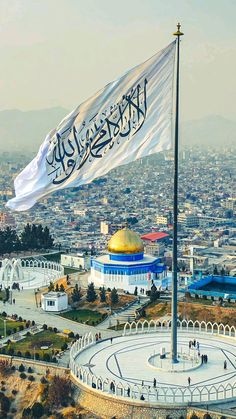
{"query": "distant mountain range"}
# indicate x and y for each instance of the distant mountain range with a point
(24, 131)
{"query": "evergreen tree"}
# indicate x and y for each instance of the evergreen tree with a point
(76, 294)
(114, 296)
(51, 286)
(91, 293)
(154, 294)
(62, 288)
(103, 297)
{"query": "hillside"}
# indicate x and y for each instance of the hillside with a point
(21, 131)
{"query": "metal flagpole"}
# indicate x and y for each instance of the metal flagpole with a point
(174, 356)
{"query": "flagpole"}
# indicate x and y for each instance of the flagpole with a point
(174, 354)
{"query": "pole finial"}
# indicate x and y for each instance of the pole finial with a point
(178, 33)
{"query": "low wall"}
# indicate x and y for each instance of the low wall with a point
(108, 406)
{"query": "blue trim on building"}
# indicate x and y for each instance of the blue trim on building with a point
(122, 257)
(133, 269)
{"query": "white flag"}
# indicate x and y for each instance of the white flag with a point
(128, 119)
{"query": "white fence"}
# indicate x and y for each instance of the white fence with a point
(160, 394)
(188, 325)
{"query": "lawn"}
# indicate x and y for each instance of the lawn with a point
(10, 325)
(34, 343)
(68, 271)
(84, 316)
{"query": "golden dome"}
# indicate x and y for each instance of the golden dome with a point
(125, 241)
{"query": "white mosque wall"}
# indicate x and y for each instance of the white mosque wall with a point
(124, 282)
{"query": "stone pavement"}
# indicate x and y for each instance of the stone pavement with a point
(25, 307)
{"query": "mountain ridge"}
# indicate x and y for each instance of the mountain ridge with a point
(21, 130)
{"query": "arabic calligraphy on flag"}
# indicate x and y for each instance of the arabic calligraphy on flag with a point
(128, 119)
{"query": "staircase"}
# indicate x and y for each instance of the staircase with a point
(125, 315)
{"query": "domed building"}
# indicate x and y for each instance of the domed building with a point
(126, 266)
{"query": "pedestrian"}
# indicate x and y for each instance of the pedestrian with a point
(194, 343)
(142, 383)
(190, 344)
(198, 346)
(225, 365)
(99, 336)
(206, 359)
(154, 383)
(128, 392)
(202, 358)
(96, 337)
(14, 301)
(142, 397)
(189, 381)
(111, 340)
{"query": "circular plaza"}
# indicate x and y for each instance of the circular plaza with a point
(135, 367)
(29, 273)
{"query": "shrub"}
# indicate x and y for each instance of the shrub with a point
(21, 327)
(27, 354)
(37, 356)
(4, 314)
(13, 410)
(11, 351)
(3, 350)
(28, 334)
(59, 391)
(45, 326)
(26, 412)
(37, 410)
(43, 380)
(55, 329)
(19, 354)
(5, 367)
(3, 389)
(31, 378)
(193, 416)
(54, 359)
(5, 404)
(20, 319)
(64, 346)
(13, 368)
(23, 375)
(14, 392)
(9, 332)
(46, 357)
(33, 323)
(71, 335)
(50, 328)
(21, 368)
(30, 370)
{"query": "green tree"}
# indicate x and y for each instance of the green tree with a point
(37, 410)
(114, 296)
(154, 294)
(5, 404)
(62, 288)
(103, 297)
(51, 286)
(91, 293)
(76, 294)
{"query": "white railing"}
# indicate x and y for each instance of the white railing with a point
(183, 325)
(160, 394)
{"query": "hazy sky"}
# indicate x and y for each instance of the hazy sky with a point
(59, 52)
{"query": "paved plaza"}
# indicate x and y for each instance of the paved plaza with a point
(126, 362)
